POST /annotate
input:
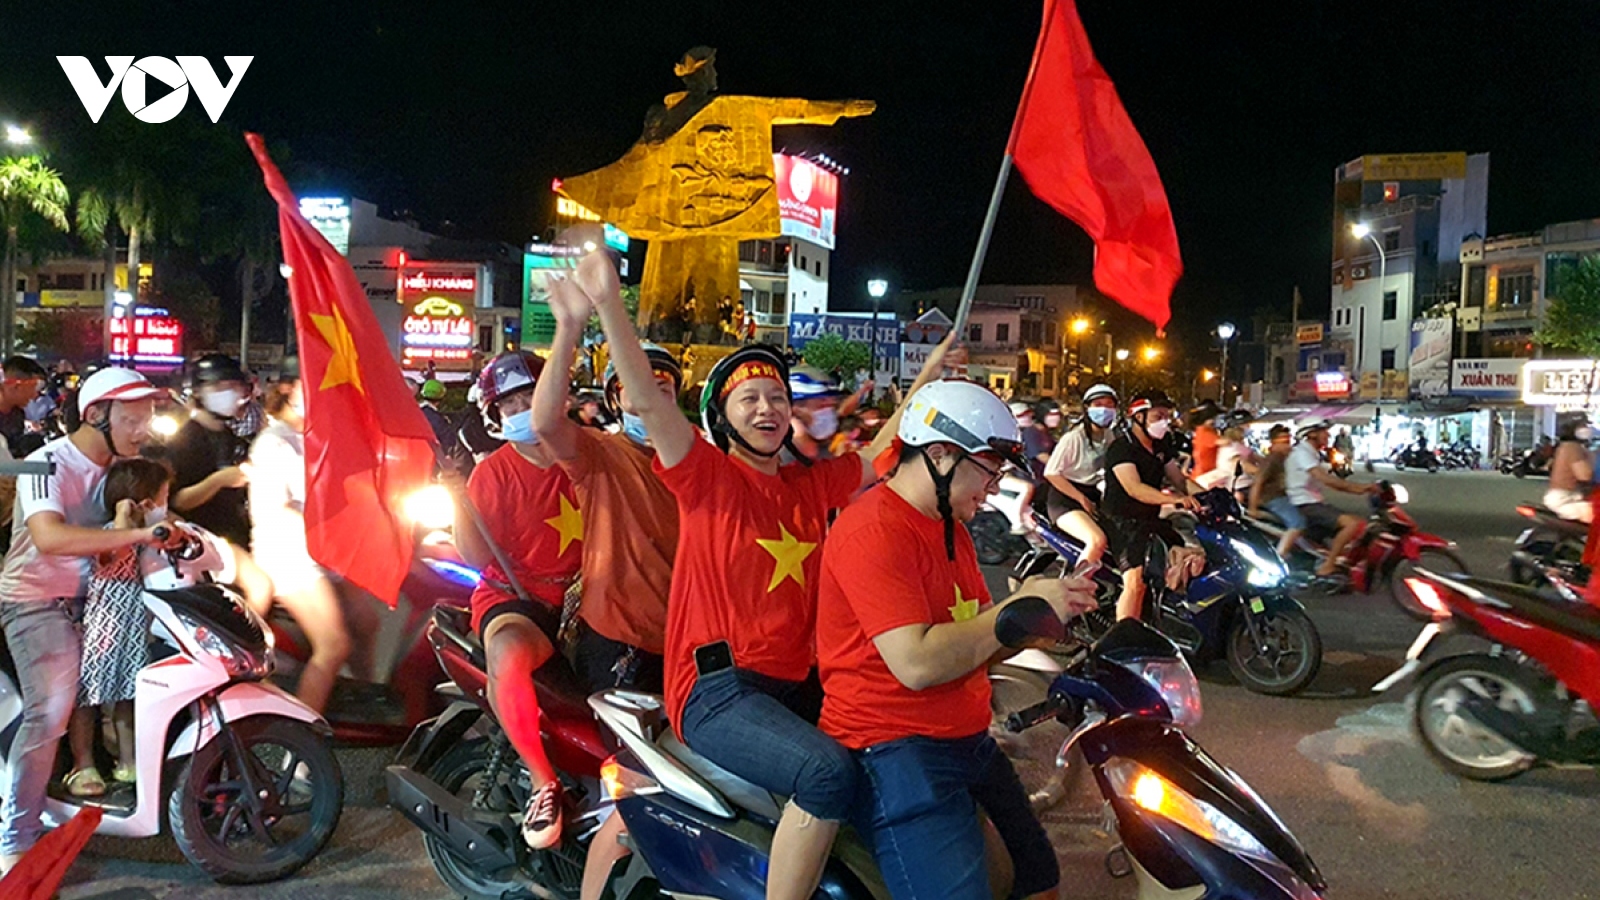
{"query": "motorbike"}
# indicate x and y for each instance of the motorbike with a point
(1526, 690)
(1533, 461)
(241, 770)
(1187, 826)
(385, 712)
(1549, 541)
(1389, 548)
(1340, 463)
(458, 779)
(999, 530)
(1238, 609)
(1414, 457)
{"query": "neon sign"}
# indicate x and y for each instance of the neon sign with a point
(153, 340)
(424, 281)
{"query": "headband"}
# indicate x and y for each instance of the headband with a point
(747, 370)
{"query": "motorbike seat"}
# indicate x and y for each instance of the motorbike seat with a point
(561, 691)
(1578, 620)
(1554, 522)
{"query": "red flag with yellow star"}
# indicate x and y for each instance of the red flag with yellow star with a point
(367, 444)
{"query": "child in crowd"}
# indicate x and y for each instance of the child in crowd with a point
(116, 623)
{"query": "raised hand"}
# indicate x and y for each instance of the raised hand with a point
(569, 303)
(598, 278)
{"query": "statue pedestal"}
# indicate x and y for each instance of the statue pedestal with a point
(691, 275)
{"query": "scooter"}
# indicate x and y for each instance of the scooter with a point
(458, 779)
(1000, 529)
(1412, 456)
(385, 712)
(1548, 541)
(1528, 697)
(1389, 548)
(1188, 826)
(1239, 608)
(241, 769)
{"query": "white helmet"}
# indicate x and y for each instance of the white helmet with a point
(963, 413)
(114, 383)
(1098, 391)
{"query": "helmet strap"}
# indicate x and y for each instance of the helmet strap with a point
(941, 491)
(104, 427)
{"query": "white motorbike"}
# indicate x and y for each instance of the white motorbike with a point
(243, 769)
(1000, 529)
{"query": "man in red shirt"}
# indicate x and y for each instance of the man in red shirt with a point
(905, 634)
(527, 505)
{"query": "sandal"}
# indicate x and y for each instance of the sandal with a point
(85, 783)
(125, 774)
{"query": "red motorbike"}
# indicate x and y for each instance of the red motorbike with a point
(1527, 689)
(458, 779)
(385, 711)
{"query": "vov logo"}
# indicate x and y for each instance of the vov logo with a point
(135, 77)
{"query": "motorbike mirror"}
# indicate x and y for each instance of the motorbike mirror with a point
(1026, 619)
(1155, 563)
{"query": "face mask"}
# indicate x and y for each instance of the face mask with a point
(1053, 420)
(824, 424)
(222, 403)
(37, 409)
(299, 407)
(1158, 430)
(1583, 433)
(518, 428)
(633, 427)
(155, 514)
(1102, 415)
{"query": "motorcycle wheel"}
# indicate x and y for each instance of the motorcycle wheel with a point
(991, 535)
(460, 771)
(213, 823)
(1436, 558)
(1457, 741)
(1288, 661)
(1033, 752)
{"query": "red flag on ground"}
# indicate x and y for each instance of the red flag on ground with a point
(37, 875)
(1080, 153)
(367, 444)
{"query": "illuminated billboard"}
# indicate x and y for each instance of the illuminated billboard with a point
(438, 328)
(151, 338)
(330, 216)
(808, 199)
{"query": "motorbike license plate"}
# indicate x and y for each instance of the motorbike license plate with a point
(1257, 606)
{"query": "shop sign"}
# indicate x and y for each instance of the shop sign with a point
(1309, 334)
(808, 199)
(1331, 385)
(1488, 378)
(1560, 382)
(438, 328)
(155, 340)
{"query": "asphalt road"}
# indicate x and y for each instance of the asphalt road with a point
(1338, 764)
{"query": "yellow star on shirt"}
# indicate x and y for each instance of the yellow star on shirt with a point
(788, 554)
(964, 609)
(569, 524)
(342, 363)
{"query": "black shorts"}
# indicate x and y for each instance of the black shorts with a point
(1061, 504)
(1129, 539)
(544, 615)
(604, 663)
(1322, 519)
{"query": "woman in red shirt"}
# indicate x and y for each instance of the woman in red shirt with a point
(742, 612)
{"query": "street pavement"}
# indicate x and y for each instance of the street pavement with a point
(1338, 764)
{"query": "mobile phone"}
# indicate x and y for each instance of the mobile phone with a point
(709, 658)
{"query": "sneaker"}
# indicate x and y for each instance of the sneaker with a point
(541, 825)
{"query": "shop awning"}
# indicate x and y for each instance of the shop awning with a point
(1344, 415)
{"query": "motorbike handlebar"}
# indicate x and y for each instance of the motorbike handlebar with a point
(1023, 719)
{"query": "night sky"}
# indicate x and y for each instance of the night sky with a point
(463, 112)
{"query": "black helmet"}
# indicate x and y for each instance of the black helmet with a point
(712, 395)
(215, 368)
(506, 374)
(289, 370)
(661, 360)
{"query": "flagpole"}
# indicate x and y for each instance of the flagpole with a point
(974, 271)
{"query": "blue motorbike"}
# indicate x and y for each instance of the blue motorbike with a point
(1239, 608)
(1188, 826)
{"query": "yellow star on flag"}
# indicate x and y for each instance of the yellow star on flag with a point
(342, 364)
(964, 609)
(569, 524)
(788, 553)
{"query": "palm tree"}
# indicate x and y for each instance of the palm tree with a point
(96, 225)
(27, 187)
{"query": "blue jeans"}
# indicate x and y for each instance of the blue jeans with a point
(746, 723)
(43, 638)
(918, 811)
(1287, 512)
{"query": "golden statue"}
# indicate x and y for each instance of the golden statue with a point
(699, 180)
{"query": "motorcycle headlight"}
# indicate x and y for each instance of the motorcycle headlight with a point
(1175, 682)
(238, 661)
(1265, 571)
(1401, 495)
(1149, 791)
(165, 425)
(431, 507)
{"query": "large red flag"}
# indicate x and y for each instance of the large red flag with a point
(367, 444)
(41, 869)
(1080, 153)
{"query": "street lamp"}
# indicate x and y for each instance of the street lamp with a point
(17, 136)
(1122, 371)
(1363, 230)
(1226, 331)
(1151, 354)
(876, 288)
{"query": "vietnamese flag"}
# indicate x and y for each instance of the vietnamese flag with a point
(1080, 153)
(38, 874)
(367, 444)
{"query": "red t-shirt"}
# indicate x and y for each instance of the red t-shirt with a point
(748, 555)
(884, 567)
(1205, 449)
(530, 512)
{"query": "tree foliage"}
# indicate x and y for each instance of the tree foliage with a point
(61, 334)
(839, 357)
(1572, 315)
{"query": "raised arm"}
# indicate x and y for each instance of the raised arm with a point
(931, 369)
(799, 111)
(571, 308)
(670, 433)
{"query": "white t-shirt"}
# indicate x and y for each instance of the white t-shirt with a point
(216, 560)
(77, 492)
(1078, 458)
(278, 500)
(1301, 487)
